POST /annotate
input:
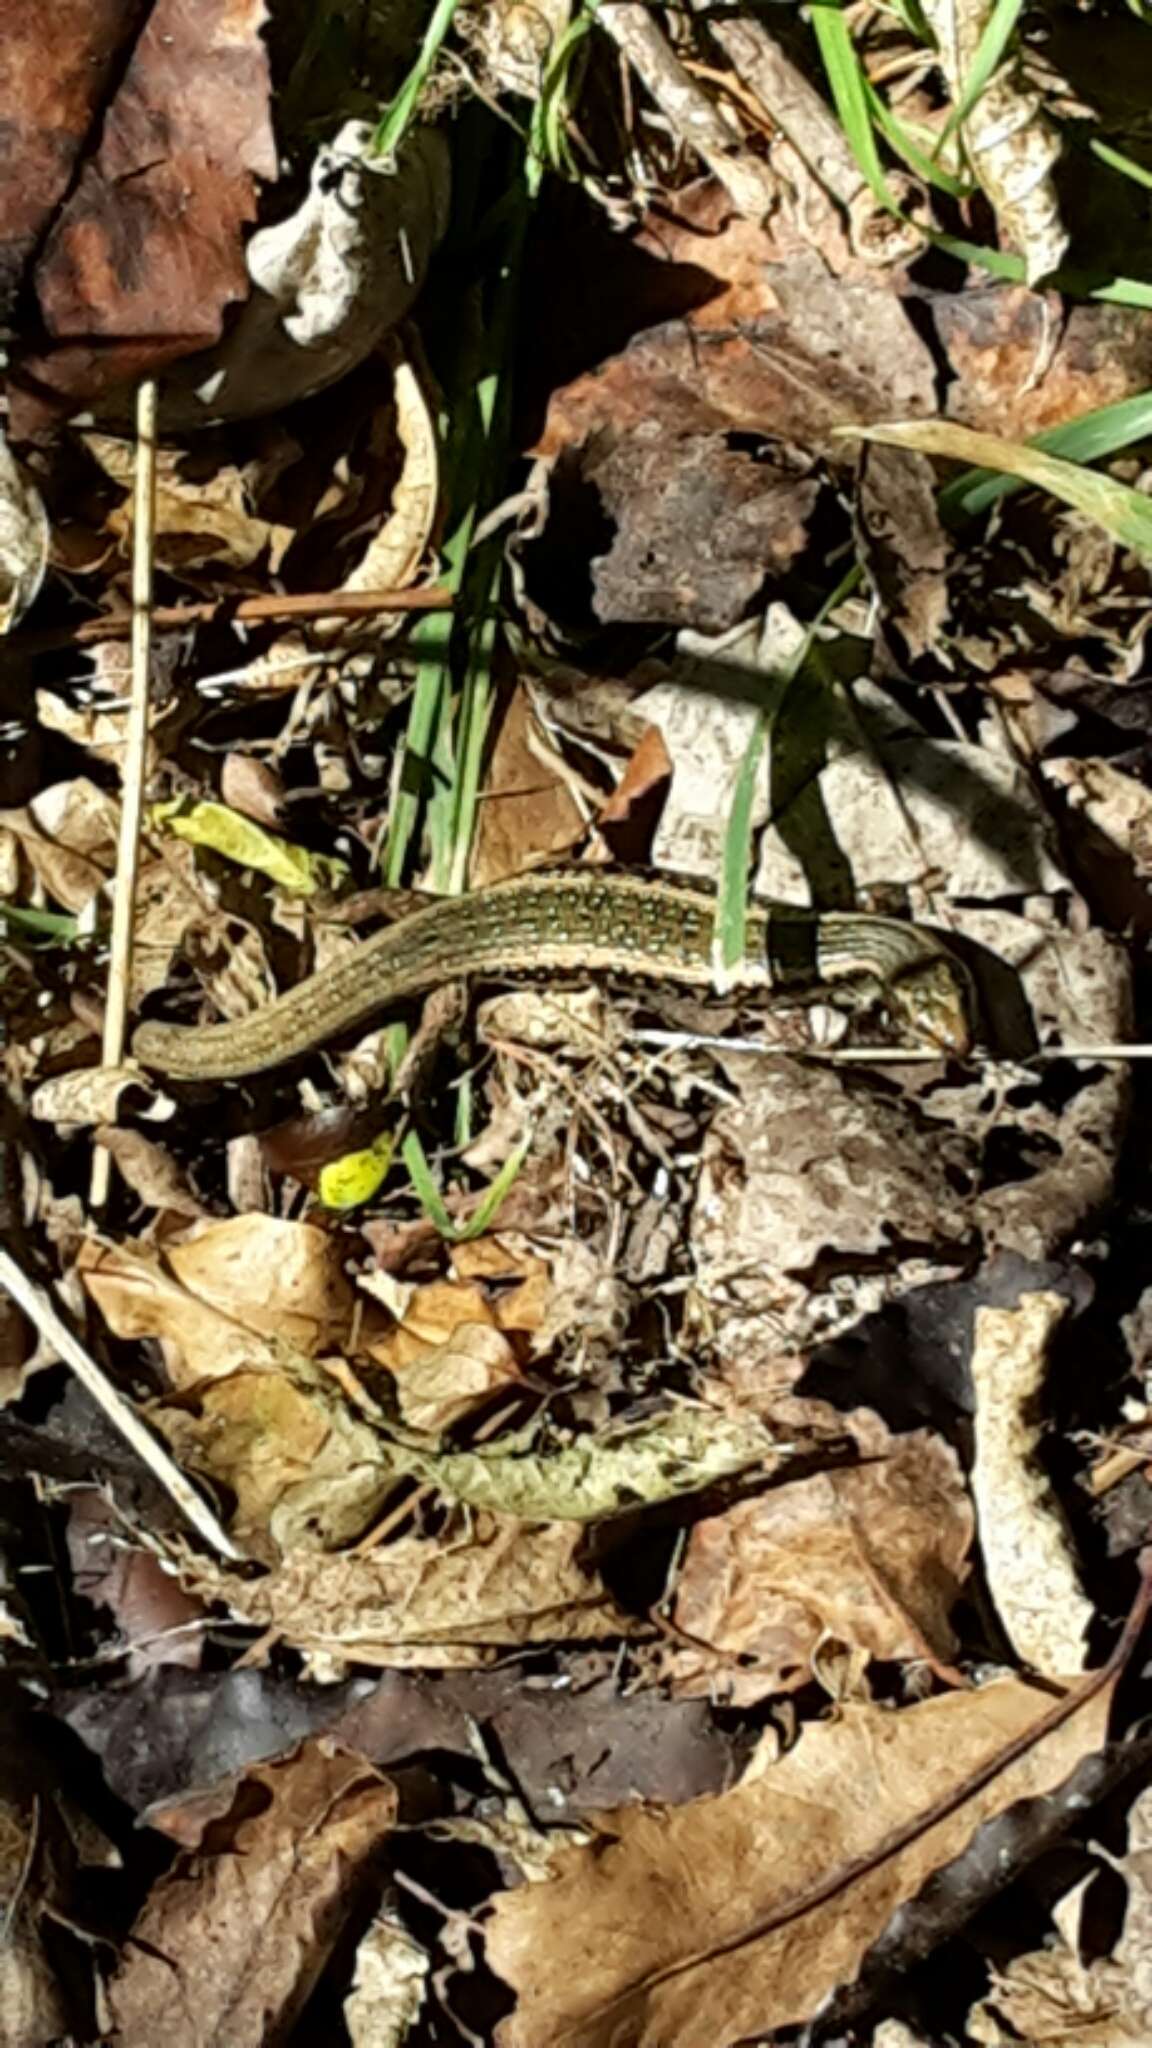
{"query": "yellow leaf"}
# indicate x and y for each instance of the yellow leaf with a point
(347, 1182)
(239, 839)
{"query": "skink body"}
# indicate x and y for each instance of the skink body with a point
(581, 921)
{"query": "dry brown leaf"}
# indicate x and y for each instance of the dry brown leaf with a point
(394, 555)
(446, 1354)
(780, 1886)
(647, 772)
(150, 1172)
(518, 42)
(24, 538)
(138, 1297)
(279, 1278)
(1028, 1558)
(199, 520)
(253, 788)
(100, 733)
(232, 1940)
(871, 1557)
(1116, 804)
(301, 1467)
(177, 132)
(428, 1603)
(530, 812)
(67, 838)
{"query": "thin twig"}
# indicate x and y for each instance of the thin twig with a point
(41, 1311)
(135, 759)
(695, 119)
(309, 604)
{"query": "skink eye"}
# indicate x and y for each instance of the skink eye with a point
(933, 1003)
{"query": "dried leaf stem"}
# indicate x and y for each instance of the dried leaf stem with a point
(307, 604)
(41, 1311)
(135, 758)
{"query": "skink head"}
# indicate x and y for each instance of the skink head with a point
(933, 999)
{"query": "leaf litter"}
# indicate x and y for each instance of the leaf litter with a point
(600, 1510)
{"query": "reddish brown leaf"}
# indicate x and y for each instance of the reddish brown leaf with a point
(148, 250)
(231, 1942)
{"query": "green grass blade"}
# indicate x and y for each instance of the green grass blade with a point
(1124, 513)
(997, 34)
(1119, 291)
(1088, 439)
(1139, 173)
(899, 138)
(736, 858)
(847, 84)
(432, 1201)
(40, 924)
(398, 118)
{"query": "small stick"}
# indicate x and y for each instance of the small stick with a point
(694, 118)
(40, 1310)
(135, 758)
(308, 604)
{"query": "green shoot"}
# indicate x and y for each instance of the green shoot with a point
(997, 34)
(397, 120)
(1088, 439)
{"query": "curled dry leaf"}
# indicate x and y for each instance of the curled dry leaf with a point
(446, 1355)
(1011, 146)
(303, 1469)
(23, 540)
(151, 1172)
(95, 1095)
(783, 1884)
(872, 1556)
(222, 1301)
(1117, 805)
(518, 42)
(231, 1942)
(67, 838)
(253, 787)
(101, 734)
(1028, 1559)
(394, 554)
(329, 280)
(199, 520)
(427, 1603)
(389, 1981)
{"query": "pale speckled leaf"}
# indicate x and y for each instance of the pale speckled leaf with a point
(678, 1453)
(1011, 147)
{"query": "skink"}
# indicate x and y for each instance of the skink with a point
(582, 921)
